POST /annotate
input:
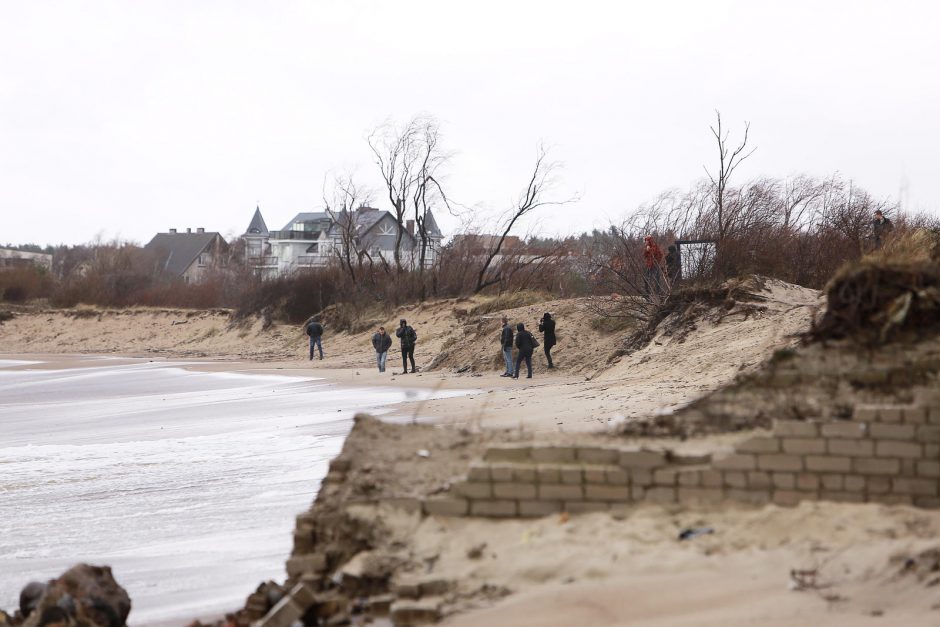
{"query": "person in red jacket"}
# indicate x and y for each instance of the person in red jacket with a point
(653, 257)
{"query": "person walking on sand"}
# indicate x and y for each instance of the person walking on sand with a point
(408, 339)
(653, 258)
(381, 342)
(526, 344)
(547, 329)
(505, 342)
(315, 330)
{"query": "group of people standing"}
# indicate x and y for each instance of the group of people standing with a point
(526, 345)
(524, 341)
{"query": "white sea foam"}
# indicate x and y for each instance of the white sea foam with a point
(186, 483)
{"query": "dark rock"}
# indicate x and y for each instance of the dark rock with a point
(29, 597)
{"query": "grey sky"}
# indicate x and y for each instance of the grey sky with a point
(126, 118)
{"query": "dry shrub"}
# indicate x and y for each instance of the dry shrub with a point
(512, 300)
(22, 283)
(878, 300)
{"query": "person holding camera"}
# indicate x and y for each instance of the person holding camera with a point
(547, 329)
(408, 339)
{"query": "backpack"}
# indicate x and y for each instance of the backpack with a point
(412, 335)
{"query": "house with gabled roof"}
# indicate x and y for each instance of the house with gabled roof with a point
(257, 250)
(188, 256)
(314, 239)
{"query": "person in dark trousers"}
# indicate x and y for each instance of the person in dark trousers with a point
(315, 330)
(547, 328)
(880, 227)
(381, 342)
(673, 264)
(505, 342)
(525, 344)
(408, 339)
(653, 258)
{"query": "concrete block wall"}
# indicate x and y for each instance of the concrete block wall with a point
(884, 454)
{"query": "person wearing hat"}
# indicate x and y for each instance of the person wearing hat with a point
(408, 339)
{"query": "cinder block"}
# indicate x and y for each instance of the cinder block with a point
(598, 455)
(616, 476)
(883, 431)
(927, 502)
(759, 480)
(548, 492)
(580, 507)
(642, 459)
(507, 454)
(514, 490)
(879, 484)
(637, 493)
(641, 477)
(661, 495)
(928, 468)
(890, 413)
(735, 479)
(928, 433)
(891, 448)
(537, 509)
(751, 497)
(572, 475)
(711, 478)
(594, 475)
(908, 467)
(690, 478)
(446, 507)
(549, 474)
(470, 490)
(311, 563)
(495, 509)
(787, 463)
(784, 480)
(844, 429)
(933, 415)
(690, 459)
(891, 499)
(828, 464)
(553, 454)
(759, 444)
(606, 493)
(917, 487)
(854, 483)
(525, 473)
(665, 476)
(804, 446)
(737, 462)
(851, 448)
(871, 466)
(501, 472)
(931, 451)
(832, 482)
(700, 495)
(796, 428)
(865, 413)
(788, 498)
(478, 471)
(916, 415)
(842, 497)
(807, 481)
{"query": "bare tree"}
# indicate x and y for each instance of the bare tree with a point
(409, 157)
(531, 199)
(728, 161)
(341, 197)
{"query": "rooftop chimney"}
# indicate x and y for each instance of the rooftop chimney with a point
(410, 225)
(189, 230)
(200, 230)
(172, 230)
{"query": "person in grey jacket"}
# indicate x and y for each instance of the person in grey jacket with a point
(381, 342)
(505, 341)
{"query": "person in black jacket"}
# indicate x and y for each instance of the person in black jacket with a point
(408, 339)
(381, 342)
(315, 330)
(526, 344)
(673, 265)
(505, 343)
(547, 327)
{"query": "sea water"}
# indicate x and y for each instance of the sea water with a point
(186, 483)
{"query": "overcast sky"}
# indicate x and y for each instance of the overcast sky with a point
(127, 118)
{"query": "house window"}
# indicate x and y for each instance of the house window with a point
(385, 229)
(313, 248)
(202, 259)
